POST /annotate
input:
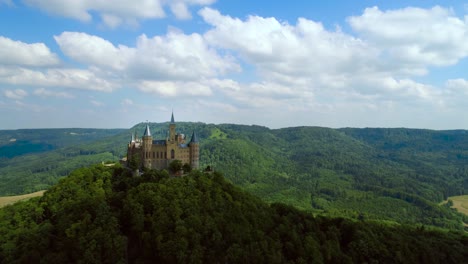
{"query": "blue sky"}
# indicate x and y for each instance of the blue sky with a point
(278, 64)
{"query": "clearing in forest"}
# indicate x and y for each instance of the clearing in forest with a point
(6, 200)
(460, 203)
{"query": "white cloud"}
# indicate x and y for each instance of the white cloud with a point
(415, 36)
(282, 48)
(118, 11)
(172, 89)
(178, 56)
(68, 78)
(301, 67)
(127, 102)
(304, 64)
(16, 94)
(94, 50)
(180, 10)
(48, 93)
(290, 55)
(19, 53)
(175, 56)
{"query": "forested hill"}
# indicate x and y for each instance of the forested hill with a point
(104, 215)
(19, 142)
(385, 174)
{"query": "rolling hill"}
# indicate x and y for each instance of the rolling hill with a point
(386, 174)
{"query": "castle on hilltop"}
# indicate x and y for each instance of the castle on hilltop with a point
(158, 154)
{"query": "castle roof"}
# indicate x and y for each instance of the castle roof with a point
(161, 142)
(172, 118)
(194, 138)
(147, 131)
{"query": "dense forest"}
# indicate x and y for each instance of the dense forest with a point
(396, 175)
(104, 215)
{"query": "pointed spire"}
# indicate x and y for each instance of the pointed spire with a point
(194, 138)
(172, 117)
(147, 131)
(133, 137)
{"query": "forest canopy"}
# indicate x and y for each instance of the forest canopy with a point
(104, 215)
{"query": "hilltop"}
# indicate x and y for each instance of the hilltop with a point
(104, 215)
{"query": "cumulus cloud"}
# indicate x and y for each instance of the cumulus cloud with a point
(89, 49)
(19, 53)
(457, 92)
(178, 56)
(296, 56)
(419, 37)
(281, 48)
(172, 89)
(297, 66)
(48, 93)
(56, 77)
(174, 56)
(305, 63)
(119, 11)
(16, 94)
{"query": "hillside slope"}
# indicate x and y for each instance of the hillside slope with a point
(103, 215)
(386, 174)
(34, 159)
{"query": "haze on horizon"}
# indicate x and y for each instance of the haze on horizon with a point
(276, 64)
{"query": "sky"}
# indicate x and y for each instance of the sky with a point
(113, 64)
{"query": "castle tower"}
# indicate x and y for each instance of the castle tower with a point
(147, 144)
(194, 151)
(172, 127)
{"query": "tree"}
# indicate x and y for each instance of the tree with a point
(187, 168)
(134, 162)
(175, 166)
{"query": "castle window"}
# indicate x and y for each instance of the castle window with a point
(154, 156)
(172, 154)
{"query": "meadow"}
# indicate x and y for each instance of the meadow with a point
(460, 203)
(6, 200)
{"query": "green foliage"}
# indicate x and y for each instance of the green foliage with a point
(187, 168)
(175, 166)
(384, 174)
(104, 215)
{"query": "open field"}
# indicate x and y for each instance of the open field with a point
(460, 203)
(6, 200)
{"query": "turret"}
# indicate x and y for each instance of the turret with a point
(194, 151)
(172, 128)
(147, 144)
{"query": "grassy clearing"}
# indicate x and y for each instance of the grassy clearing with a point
(6, 200)
(216, 133)
(460, 203)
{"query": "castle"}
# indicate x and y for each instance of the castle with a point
(158, 154)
